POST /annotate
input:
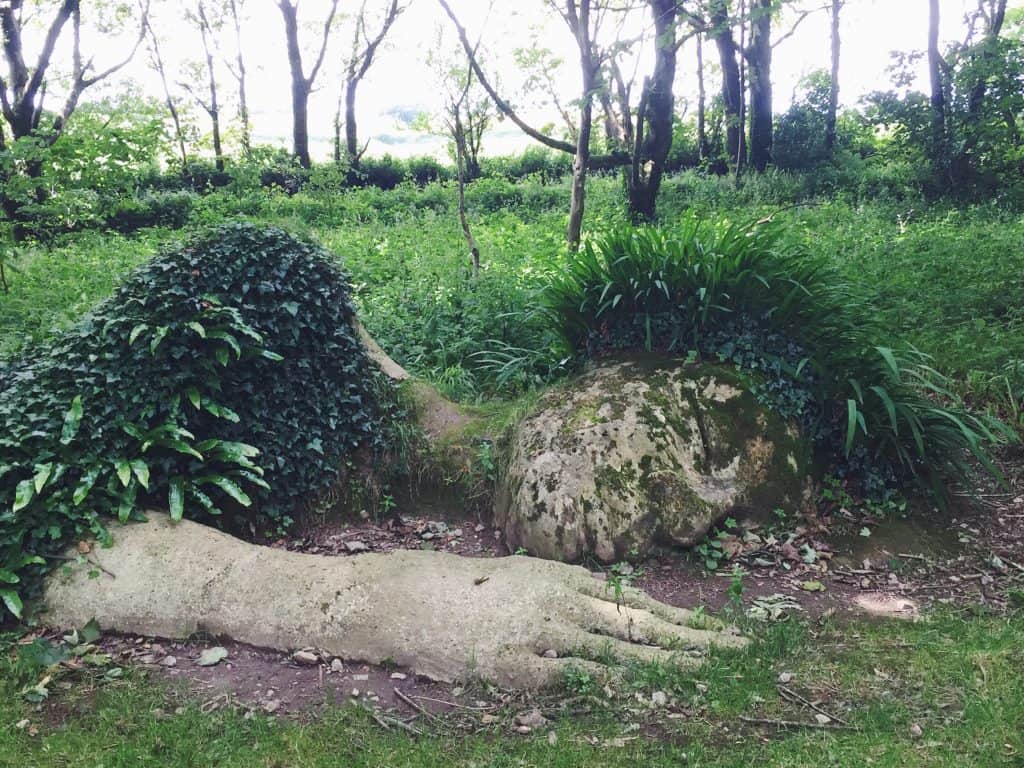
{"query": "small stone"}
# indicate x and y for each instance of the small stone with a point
(600, 575)
(916, 731)
(337, 666)
(701, 688)
(524, 730)
(822, 719)
(785, 677)
(865, 583)
(147, 658)
(356, 546)
(659, 699)
(457, 533)
(480, 528)
(398, 676)
(625, 569)
(497, 534)
(456, 692)
(531, 718)
(361, 678)
(169, 661)
(364, 514)
(550, 653)
(21, 725)
(487, 719)
(354, 693)
(305, 658)
(427, 535)
(270, 707)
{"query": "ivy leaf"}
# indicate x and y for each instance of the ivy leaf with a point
(12, 601)
(124, 471)
(136, 332)
(23, 494)
(193, 397)
(141, 470)
(72, 420)
(231, 488)
(85, 484)
(43, 472)
(176, 498)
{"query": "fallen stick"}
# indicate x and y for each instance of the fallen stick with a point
(387, 722)
(786, 691)
(453, 704)
(413, 704)
(796, 724)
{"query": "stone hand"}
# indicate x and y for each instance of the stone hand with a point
(516, 621)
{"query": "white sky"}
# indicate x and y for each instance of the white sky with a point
(871, 29)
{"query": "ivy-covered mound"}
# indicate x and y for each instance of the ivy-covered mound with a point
(222, 375)
(753, 296)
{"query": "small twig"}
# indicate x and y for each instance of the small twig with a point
(412, 703)
(786, 691)
(796, 724)
(480, 580)
(386, 723)
(453, 704)
(907, 556)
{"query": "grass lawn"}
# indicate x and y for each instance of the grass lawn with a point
(944, 691)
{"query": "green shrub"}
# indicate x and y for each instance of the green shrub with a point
(222, 375)
(152, 209)
(747, 295)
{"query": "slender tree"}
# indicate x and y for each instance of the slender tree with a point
(238, 71)
(210, 103)
(360, 58)
(759, 59)
(702, 132)
(721, 26)
(156, 61)
(833, 83)
(302, 83)
(937, 68)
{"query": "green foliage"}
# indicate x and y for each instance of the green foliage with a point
(750, 296)
(222, 375)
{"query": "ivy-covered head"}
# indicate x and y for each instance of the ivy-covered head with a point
(223, 375)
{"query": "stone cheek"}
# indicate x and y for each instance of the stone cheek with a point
(631, 455)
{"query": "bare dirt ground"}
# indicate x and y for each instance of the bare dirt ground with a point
(842, 563)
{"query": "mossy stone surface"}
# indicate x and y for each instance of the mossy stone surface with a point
(641, 452)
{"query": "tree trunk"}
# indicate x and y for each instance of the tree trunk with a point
(158, 65)
(702, 131)
(732, 91)
(833, 83)
(300, 87)
(351, 127)
(657, 108)
(212, 108)
(240, 75)
(760, 60)
(938, 86)
(460, 160)
(302, 84)
(580, 162)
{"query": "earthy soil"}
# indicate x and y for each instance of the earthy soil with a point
(840, 563)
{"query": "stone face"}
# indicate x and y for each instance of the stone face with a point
(639, 452)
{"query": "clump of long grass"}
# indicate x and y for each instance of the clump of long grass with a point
(687, 287)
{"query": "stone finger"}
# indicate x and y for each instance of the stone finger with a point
(595, 646)
(641, 626)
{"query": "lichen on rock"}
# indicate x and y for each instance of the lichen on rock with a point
(641, 452)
